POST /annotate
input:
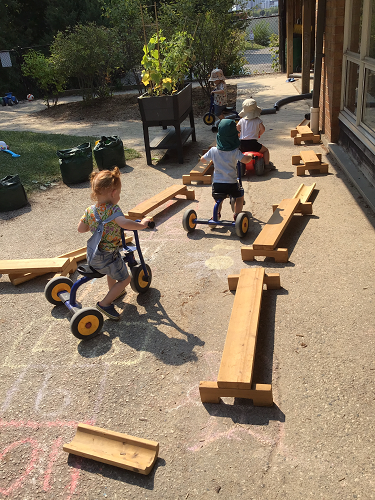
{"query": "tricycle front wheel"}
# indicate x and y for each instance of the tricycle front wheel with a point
(56, 285)
(86, 323)
(138, 282)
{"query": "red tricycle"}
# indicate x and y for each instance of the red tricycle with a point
(256, 164)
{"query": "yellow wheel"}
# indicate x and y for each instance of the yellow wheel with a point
(188, 220)
(138, 282)
(86, 323)
(209, 119)
(242, 224)
(56, 285)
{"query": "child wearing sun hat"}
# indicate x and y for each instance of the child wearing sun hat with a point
(220, 92)
(251, 128)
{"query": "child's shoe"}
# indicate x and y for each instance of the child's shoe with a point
(108, 311)
(270, 166)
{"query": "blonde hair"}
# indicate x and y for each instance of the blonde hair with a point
(105, 180)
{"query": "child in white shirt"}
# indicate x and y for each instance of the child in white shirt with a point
(251, 128)
(225, 157)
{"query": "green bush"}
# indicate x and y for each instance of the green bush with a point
(262, 33)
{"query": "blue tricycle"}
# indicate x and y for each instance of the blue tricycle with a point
(87, 322)
(211, 119)
(241, 224)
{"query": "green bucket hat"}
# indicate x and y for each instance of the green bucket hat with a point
(227, 136)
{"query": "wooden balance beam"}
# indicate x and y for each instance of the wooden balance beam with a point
(303, 193)
(266, 242)
(237, 362)
(114, 448)
(202, 172)
(304, 133)
(69, 268)
(311, 161)
(141, 210)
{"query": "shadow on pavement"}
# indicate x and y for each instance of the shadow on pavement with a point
(141, 332)
(116, 473)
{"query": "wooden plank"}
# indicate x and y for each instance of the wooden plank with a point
(276, 225)
(261, 394)
(296, 159)
(202, 168)
(114, 448)
(304, 131)
(279, 254)
(303, 193)
(237, 362)
(32, 265)
(159, 199)
(272, 280)
(309, 157)
(206, 179)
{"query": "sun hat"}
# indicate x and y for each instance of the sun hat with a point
(216, 74)
(227, 136)
(250, 109)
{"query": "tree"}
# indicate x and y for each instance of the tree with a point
(61, 15)
(217, 30)
(50, 80)
(91, 54)
(125, 17)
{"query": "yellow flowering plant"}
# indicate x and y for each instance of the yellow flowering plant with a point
(166, 64)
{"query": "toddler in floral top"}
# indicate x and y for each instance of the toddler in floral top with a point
(106, 190)
(219, 92)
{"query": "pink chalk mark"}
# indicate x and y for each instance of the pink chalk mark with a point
(211, 435)
(74, 478)
(52, 458)
(29, 468)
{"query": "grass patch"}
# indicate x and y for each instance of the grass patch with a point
(38, 160)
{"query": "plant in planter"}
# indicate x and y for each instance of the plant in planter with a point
(166, 101)
(166, 63)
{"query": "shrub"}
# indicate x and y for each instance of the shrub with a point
(262, 33)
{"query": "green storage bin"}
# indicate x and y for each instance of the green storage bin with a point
(12, 193)
(76, 164)
(109, 153)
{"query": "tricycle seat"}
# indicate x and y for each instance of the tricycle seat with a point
(89, 271)
(219, 196)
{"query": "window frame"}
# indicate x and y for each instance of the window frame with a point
(354, 122)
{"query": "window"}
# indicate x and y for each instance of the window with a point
(358, 98)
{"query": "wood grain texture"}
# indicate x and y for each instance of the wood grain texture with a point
(237, 362)
(276, 225)
(114, 448)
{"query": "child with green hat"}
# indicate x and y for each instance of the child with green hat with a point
(225, 156)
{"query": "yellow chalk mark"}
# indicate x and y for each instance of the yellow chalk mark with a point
(222, 246)
(219, 262)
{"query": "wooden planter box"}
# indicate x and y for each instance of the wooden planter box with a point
(167, 111)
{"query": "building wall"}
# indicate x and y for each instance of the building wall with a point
(330, 95)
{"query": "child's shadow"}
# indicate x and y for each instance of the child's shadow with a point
(153, 331)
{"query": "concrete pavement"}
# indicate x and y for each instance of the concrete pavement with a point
(141, 375)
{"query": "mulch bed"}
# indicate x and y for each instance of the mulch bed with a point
(122, 107)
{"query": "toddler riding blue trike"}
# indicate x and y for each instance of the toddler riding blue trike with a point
(87, 322)
(212, 120)
(241, 224)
